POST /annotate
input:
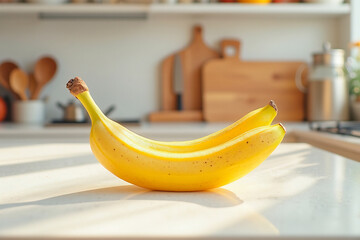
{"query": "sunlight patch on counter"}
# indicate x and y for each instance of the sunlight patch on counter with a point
(42, 152)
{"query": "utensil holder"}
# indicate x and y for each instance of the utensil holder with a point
(29, 112)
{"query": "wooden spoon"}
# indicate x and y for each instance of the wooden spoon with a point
(5, 69)
(45, 69)
(19, 82)
(32, 84)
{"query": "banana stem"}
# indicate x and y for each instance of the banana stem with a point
(79, 89)
(88, 102)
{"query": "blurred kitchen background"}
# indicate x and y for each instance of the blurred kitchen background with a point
(140, 58)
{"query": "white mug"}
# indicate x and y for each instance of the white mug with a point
(29, 112)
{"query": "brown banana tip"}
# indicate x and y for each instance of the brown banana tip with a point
(76, 86)
(282, 127)
(272, 103)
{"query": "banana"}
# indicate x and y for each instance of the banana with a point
(130, 158)
(259, 117)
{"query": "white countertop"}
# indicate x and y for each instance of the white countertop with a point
(159, 131)
(54, 187)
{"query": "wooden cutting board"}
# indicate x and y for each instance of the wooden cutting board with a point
(232, 88)
(192, 58)
(176, 116)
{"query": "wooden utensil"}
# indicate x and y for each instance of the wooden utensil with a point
(178, 81)
(192, 59)
(19, 82)
(45, 69)
(168, 95)
(32, 84)
(5, 69)
(232, 88)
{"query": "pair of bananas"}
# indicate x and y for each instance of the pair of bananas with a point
(200, 164)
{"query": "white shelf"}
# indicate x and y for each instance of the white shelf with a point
(123, 10)
(236, 8)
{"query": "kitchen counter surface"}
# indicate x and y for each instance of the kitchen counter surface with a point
(168, 131)
(54, 187)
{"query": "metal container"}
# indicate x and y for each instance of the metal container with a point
(72, 112)
(327, 88)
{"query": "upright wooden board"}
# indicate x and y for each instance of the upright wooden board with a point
(168, 96)
(192, 58)
(232, 88)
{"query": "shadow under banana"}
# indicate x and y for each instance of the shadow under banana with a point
(215, 198)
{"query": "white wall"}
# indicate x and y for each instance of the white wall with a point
(120, 60)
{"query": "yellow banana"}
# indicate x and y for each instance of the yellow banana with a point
(130, 158)
(259, 117)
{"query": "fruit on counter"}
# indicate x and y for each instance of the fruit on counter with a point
(255, 1)
(139, 161)
(3, 109)
(259, 117)
(286, 1)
